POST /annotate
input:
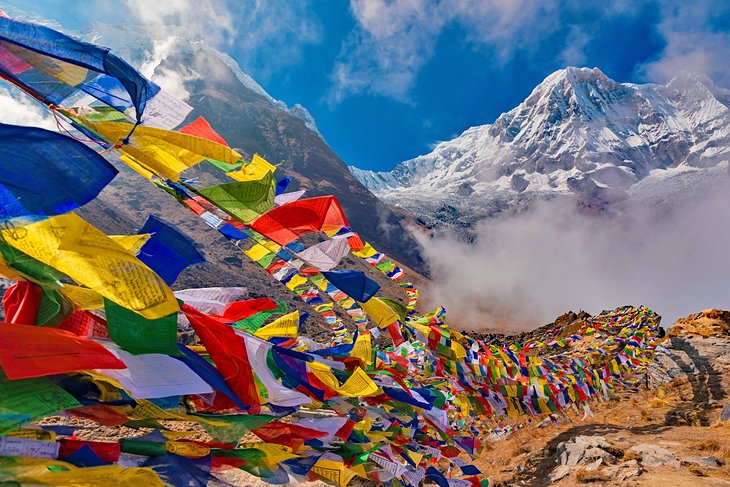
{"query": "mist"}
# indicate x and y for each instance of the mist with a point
(523, 271)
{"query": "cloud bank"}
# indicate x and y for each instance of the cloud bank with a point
(523, 271)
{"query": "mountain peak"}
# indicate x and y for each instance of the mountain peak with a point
(581, 88)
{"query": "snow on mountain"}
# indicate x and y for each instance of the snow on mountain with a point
(579, 134)
(297, 110)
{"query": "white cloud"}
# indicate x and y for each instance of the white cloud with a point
(573, 54)
(692, 43)
(393, 39)
(266, 36)
(209, 20)
(18, 111)
(524, 271)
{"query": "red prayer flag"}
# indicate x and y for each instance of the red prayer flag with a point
(201, 128)
(108, 452)
(287, 222)
(21, 302)
(86, 324)
(291, 435)
(228, 351)
(35, 351)
(355, 243)
(240, 310)
(100, 413)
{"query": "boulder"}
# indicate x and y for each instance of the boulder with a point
(654, 456)
(583, 449)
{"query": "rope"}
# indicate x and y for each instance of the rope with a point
(53, 109)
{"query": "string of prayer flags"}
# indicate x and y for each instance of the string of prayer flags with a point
(384, 410)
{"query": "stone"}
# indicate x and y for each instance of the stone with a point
(595, 453)
(593, 466)
(654, 456)
(625, 470)
(710, 462)
(725, 414)
(559, 473)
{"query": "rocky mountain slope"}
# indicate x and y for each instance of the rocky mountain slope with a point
(580, 135)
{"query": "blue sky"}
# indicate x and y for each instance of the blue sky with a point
(387, 79)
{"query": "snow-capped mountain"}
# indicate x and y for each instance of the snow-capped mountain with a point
(579, 134)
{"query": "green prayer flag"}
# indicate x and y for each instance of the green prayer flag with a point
(224, 166)
(246, 200)
(25, 400)
(257, 320)
(34, 270)
(137, 334)
(237, 426)
(53, 308)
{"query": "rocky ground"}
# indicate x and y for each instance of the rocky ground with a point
(676, 432)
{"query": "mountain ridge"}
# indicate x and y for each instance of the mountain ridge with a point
(578, 134)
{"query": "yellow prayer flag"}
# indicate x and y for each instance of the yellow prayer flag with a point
(254, 170)
(296, 281)
(33, 434)
(40, 471)
(73, 246)
(367, 251)
(165, 153)
(459, 351)
(257, 252)
(271, 245)
(357, 385)
(415, 456)
(379, 311)
(82, 298)
(286, 326)
(185, 449)
(8, 272)
(333, 471)
(363, 348)
(132, 243)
